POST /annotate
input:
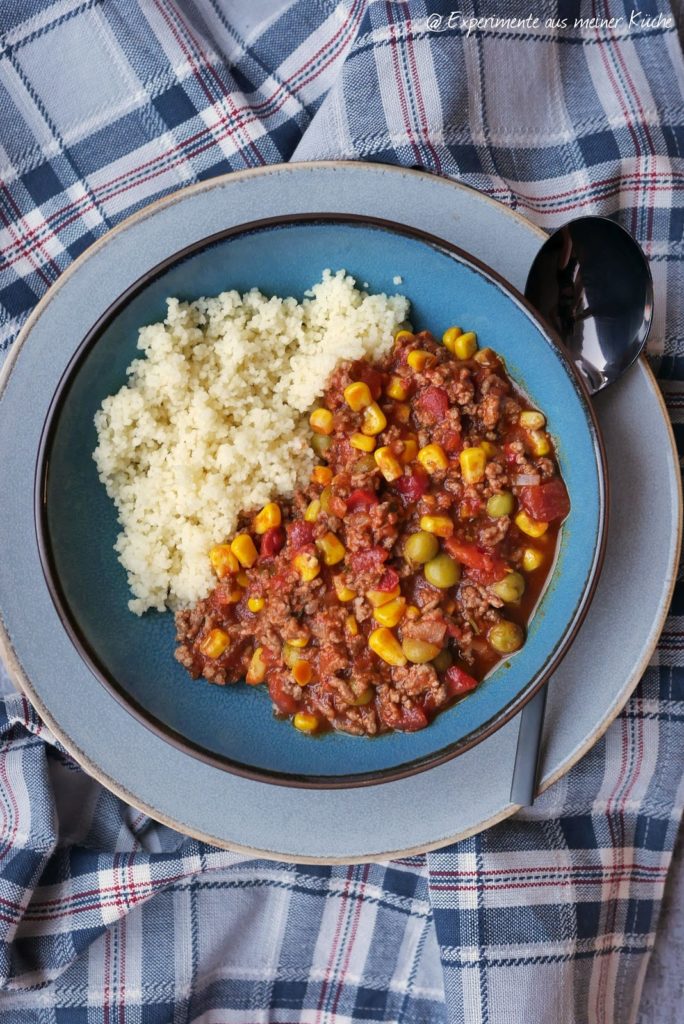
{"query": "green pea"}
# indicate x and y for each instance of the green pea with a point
(500, 505)
(320, 443)
(442, 572)
(366, 464)
(419, 652)
(421, 547)
(443, 661)
(365, 697)
(291, 655)
(511, 588)
(506, 637)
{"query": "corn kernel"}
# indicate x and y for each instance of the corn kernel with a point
(256, 670)
(223, 560)
(539, 442)
(449, 337)
(441, 526)
(357, 395)
(243, 548)
(465, 346)
(305, 722)
(486, 356)
(307, 566)
(530, 526)
(390, 468)
(385, 644)
(532, 559)
(268, 517)
(413, 612)
(214, 643)
(532, 420)
(298, 642)
(233, 595)
(332, 548)
(488, 448)
(418, 359)
(321, 421)
(302, 673)
(255, 604)
(374, 420)
(398, 388)
(312, 511)
(322, 475)
(377, 598)
(410, 450)
(402, 335)
(364, 698)
(352, 625)
(362, 442)
(243, 579)
(473, 462)
(390, 614)
(344, 593)
(432, 458)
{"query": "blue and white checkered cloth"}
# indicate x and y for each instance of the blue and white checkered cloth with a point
(109, 918)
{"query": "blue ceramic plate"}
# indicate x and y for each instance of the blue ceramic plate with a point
(234, 727)
(430, 808)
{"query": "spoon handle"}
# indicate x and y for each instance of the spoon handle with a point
(526, 767)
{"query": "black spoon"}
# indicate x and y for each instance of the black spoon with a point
(592, 284)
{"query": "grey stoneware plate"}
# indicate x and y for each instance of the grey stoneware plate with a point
(398, 817)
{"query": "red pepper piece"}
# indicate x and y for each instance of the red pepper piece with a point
(272, 542)
(412, 719)
(546, 502)
(458, 682)
(361, 499)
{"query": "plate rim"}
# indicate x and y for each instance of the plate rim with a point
(24, 685)
(106, 678)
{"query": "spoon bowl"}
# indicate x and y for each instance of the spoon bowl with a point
(591, 282)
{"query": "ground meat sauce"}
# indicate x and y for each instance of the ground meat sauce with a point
(409, 566)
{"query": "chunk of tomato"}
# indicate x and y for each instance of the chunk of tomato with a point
(361, 498)
(388, 581)
(300, 533)
(458, 682)
(433, 404)
(375, 380)
(412, 719)
(546, 502)
(283, 700)
(482, 566)
(451, 441)
(371, 558)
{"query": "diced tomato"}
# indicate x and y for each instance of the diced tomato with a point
(299, 534)
(546, 502)
(433, 403)
(360, 370)
(412, 719)
(361, 499)
(337, 506)
(272, 542)
(483, 567)
(458, 682)
(371, 558)
(469, 507)
(452, 441)
(388, 581)
(283, 700)
(413, 486)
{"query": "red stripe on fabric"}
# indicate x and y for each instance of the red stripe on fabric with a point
(415, 74)
(332, 956)
(350, 943)
(394, 47)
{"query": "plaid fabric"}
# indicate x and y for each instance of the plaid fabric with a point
(106, 916)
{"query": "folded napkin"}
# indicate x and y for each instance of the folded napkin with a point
(106, 916)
